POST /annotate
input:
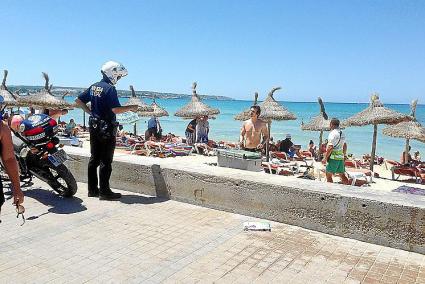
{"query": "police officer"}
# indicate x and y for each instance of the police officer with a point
(103, 126)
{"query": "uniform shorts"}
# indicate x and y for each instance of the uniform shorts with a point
(335, 166)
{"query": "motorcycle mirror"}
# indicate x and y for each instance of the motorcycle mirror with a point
(24, 152)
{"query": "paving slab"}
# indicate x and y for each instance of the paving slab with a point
(143, 239)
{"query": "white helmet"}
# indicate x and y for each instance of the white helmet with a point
(114, 71)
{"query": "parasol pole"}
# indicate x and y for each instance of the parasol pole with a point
(269, 125)
(406, 151)
(372, 155)
(413, 114)
(320, 145)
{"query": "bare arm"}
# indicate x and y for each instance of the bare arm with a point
(9, 162)
(328, 152)
(122, 109)
(344, 150)
(242, 134)
(83, 106)
(190, 127)
(265, 132)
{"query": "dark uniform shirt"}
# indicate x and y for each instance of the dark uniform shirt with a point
(103, 97)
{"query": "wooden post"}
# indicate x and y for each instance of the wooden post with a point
(372, 155)
(269, 124)
(406, 152)
(320, 145)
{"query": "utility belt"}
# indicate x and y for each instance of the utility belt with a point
(337, 155)
(102, 128)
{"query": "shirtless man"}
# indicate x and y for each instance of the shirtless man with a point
(252, 130)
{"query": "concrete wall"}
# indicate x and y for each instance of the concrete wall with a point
(357, 214)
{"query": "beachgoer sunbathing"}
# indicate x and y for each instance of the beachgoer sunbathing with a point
(417, 156)
(406, 159)
(312, 149)
(71, 128)
(254, 132)
(206, 149)
(288, 147)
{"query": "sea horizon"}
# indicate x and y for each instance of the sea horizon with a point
(276, 96)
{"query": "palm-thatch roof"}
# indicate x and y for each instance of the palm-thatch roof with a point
(376, 113)
(245, 115)
(407, 129)
(134, 100)
(44, 98)
(272, 110)
(158, 111)
(195, 107)
(9, 99)
(320, 122)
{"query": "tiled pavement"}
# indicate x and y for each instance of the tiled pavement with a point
(146, 240)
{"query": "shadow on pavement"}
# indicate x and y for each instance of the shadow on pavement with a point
(139, 199)
(57, 204)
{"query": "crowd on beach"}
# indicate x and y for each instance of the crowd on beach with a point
(253, 138)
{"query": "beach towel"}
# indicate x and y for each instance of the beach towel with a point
(410, 190)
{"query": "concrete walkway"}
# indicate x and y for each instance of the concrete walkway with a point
(147, 240)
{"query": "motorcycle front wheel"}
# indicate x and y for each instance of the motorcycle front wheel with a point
(64, 182)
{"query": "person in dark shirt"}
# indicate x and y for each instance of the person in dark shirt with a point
(103, 127)
(287, 147)
(190, 132)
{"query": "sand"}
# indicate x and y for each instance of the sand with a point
(383, 183)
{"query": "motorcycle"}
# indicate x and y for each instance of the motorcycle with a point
(39, 154)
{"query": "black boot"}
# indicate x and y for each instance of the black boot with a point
(109, 195)
(93, 193)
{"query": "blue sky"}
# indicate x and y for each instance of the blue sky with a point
(340, 50)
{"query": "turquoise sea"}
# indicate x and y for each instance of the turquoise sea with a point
(224, 127)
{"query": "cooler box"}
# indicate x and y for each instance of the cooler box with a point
(239, 159)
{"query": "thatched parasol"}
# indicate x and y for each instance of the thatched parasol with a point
(245, 115)
(195, 107)
(44, 98)
(407, 129)
(158, 111)
(9, 99)
(320, 123)
(272, 110)
(134, 100)
(375, 114)
(141, 105)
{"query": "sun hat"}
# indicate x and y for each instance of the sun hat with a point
(288, 136)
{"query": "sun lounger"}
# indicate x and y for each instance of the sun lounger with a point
(278, 169)
(358, 178)
(398, 169)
